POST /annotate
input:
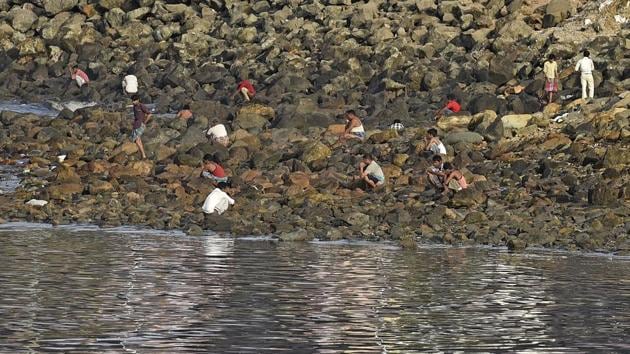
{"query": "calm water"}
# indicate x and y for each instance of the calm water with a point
(146, 292)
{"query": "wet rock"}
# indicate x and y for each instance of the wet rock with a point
(516, 245)
(299, 235)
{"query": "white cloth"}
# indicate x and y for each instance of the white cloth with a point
(79, 80)
(217, 201)
(358, 129)
(588, 83)
(130, 84)
(438, 148)
(218, 131)
(585, 66)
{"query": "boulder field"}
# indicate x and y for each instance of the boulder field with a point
(536, 181)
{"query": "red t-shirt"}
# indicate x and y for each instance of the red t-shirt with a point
(80, 73)
(248, 85)
(453, 106)
(218, 171)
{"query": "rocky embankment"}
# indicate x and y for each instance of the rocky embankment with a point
(536, 182)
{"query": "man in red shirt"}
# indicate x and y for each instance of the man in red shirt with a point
(79, 76)
(451, 107)
(213, 170)
(246, 89)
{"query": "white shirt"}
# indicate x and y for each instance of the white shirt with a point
(375, 170)
(217, 201)
(441, 149)
(218, 131)
(585, 65)
(130, 84)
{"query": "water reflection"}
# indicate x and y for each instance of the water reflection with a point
(112, 292)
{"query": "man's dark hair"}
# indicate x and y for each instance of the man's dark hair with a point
(587, 53)
(448, 166)
(552, 56)
(215, 121)
(186, 106)
(223, 185)
(432, 132)
(135, 98)
(450, 96)
(437, 158)
(208, 158)
(368, 156)
(396, 120)
(351, 111)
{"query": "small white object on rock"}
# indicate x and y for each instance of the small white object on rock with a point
(588, 22)
(37, 202)
(61, 158)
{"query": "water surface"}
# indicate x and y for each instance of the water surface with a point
(118, 291)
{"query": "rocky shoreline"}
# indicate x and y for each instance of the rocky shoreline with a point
(536, 182)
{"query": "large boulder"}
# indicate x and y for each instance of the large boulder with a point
(463, 137)
(315, 152)
(23, 19)
(254, 117)
(54, 7)
(500, 70)
(617, 156)
(557, 11)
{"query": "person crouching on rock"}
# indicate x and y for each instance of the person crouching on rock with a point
(218, 134)
(213, 170)
(354, 127)
(246, 89)
(451, 107)
(371, 172)
(433, 144)
(455, 180)
(219, 200)
(141, 116)
(79, 76)
(185, 113)
(435, 174)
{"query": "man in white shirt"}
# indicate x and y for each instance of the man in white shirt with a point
(217, 202)
(130, 84)
(585, 66)
(218, 133)
(371, 172)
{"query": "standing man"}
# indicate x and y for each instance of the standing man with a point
(585, 66)
(550, 70)
(130, 84)
(141, 116)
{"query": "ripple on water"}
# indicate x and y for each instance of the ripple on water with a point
(124, 290)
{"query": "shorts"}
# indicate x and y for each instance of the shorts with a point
(551, 85)
(136, 133)
(360, 135)
(375, 179)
